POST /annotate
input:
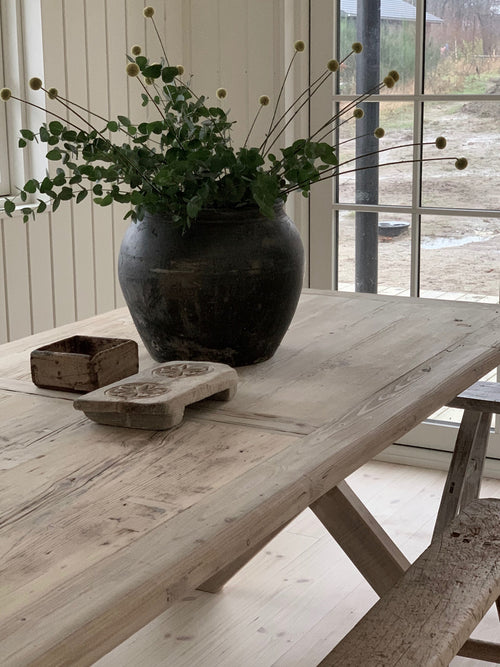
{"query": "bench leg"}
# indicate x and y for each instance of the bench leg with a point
(464, 476)
(361, 537)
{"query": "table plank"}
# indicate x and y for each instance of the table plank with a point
(105, 527)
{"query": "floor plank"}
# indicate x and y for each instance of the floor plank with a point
(295, 600)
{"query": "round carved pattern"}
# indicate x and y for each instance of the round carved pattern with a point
(182, 370)
(137, 390)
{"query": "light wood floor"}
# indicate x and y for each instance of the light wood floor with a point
(298, 597)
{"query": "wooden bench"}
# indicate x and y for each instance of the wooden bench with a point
(428, 616)
(479, 403)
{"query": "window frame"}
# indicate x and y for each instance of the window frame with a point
(22, 58)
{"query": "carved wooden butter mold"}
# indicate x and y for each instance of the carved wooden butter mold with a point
(156, 398)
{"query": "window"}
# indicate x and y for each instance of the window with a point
(416, 229)
(22, 58)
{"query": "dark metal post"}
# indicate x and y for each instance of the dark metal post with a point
(367, 76)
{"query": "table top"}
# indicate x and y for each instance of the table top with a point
(101, 528)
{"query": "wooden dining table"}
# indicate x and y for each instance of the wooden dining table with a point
(103, 527)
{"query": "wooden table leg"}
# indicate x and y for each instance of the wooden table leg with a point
(464, 476)
(361, 537)
(215, 583)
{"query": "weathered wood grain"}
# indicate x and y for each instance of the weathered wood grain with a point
(104, 528)
(482, 396)
(429, 614)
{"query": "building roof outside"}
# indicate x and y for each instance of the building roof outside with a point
(390, 10)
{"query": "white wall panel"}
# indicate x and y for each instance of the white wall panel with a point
(63, 266)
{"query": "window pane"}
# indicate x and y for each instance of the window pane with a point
(393, 252)
(472, 130)
(397, 43)
(460, 258)
(462, 52)
(394, 180)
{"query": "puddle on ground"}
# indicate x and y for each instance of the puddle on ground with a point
(432, 243)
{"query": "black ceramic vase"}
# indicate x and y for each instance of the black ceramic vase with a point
(225, 290)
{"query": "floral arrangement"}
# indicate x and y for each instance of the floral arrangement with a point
(183, 161)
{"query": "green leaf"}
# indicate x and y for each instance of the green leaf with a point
(104, 201)
(66, 194)
(60, 179)
(113, 126)
(81, 196)
(44, 134)
(124, 120)
(42, 206)
(168, 74)
(31, 186)
(145, 99)
(55, 203)
(9, 207)
(69, 135)
(97, 189)
(194, 206)
(52, 141)
(23, 195)
(46, 185)
(55, 127)
(54, 154)
(21, 143)
(152, 71)
(28, 134)
(142, 61)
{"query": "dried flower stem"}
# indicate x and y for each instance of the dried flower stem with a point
(385, 164)
(252, 126)
(278, 99)
(160, 40)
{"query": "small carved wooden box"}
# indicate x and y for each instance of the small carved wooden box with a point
(83, 363)
(155, 399)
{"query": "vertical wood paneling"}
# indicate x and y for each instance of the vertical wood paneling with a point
(4, 328)
(40, 262)
(263, 38)
(75, 57)
(205, 59)
(17, 278)
(230, 35)
(61, 228)
(116, 47)
(102, 218)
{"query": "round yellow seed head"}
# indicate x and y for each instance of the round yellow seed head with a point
(358, 113)
(180, 70)
(440, 142)
(379, 132)
(357, 47)
(148, 81)
(136, 50)
(299, 45)
(5, 94)
(332, 65)
(221, 93)
(148, 12)
(52, 93)
(389, 82)
(394, 74)
(264, 100)
(132, 69)
(461, 163)
(35, 83)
